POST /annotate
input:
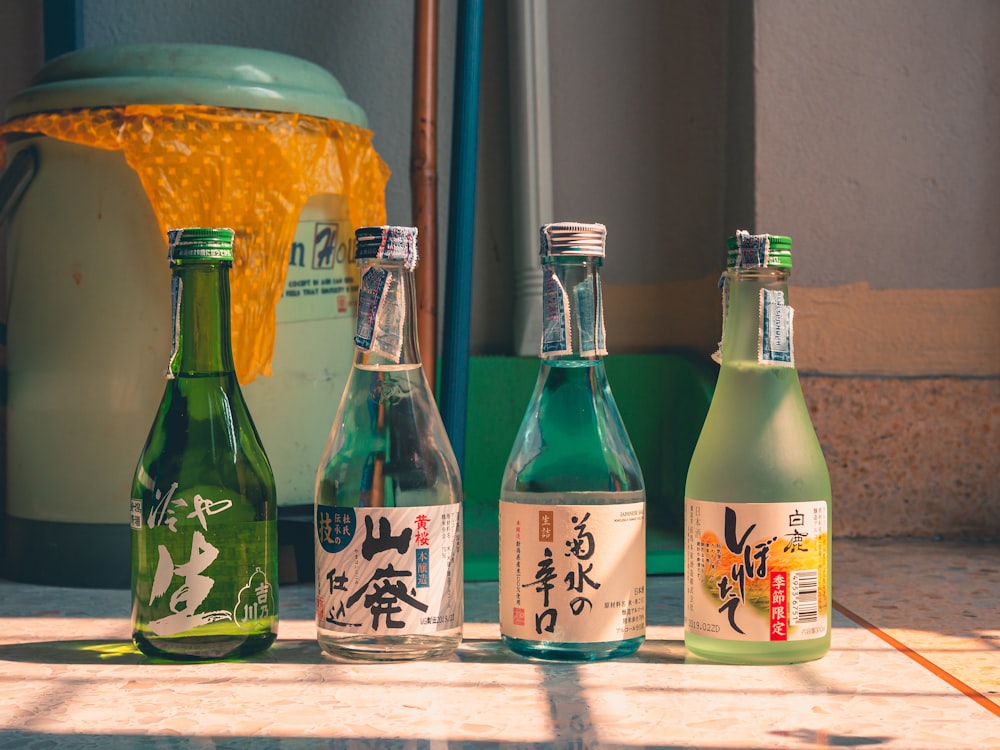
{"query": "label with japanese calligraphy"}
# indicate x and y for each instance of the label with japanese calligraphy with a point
(202, 561)
(573, 573)
(389, 571)
(756, 571)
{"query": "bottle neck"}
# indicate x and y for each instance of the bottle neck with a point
(201, 337)
(572, 310)
(756, 300)
(386, 332)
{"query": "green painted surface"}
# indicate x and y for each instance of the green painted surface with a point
(663, 399)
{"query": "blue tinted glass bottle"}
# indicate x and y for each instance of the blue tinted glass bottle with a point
(572, 501)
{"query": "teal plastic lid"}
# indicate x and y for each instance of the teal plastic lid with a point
(759, 251)
(200, 243)
(195, 74)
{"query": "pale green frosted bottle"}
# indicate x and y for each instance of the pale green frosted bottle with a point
(388, 519)
(572, 500)
(204, 533)
(757, 508)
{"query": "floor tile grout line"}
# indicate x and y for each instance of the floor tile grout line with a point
(962, 687)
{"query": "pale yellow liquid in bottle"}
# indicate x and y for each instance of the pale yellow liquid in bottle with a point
(757, 445)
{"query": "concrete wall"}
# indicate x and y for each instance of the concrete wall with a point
(20, 45)
(867, 132)
(877, 150)
(639, 142)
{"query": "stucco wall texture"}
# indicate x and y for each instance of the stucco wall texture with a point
(877, 144)
(910, 457)
(877, 150)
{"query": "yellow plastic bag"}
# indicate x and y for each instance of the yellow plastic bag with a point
(249, 170)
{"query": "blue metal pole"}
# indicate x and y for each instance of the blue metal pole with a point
(461, 226)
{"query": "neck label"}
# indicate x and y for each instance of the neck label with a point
(775, 332)
(558, 319)
(381, 303)
(556, 322)
(176, 292)
(591, 316)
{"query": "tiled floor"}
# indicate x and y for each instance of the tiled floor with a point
(922, 673)
(937, 601)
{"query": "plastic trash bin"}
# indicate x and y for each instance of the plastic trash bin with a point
(130, 141)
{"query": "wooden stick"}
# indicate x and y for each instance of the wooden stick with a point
(423, 178)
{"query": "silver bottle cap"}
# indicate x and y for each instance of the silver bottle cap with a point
(573, 238)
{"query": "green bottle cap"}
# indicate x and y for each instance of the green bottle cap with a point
(759, 251)
(573, 238)
(200, 243)
(387, 243)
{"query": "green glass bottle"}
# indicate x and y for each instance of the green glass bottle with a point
(388, 491)
(572, 500)
(204, 533)
(757, 507)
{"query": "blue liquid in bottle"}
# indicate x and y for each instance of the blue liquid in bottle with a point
(572, 502)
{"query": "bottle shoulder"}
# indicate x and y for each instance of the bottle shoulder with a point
(388, 444)
(572, 437)
(758, 443)
(204, 404)
(203, 431)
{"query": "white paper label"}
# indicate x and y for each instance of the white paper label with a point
(756, 571)
(573, 573)
(381, 308)
(775, 333)
(389, 571)
(556, 322)
(591, 317)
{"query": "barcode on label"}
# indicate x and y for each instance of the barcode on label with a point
(803, 592)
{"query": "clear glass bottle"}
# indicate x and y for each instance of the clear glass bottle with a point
(757, 507)
(388, 491)
(572, 501)
(203, 512)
